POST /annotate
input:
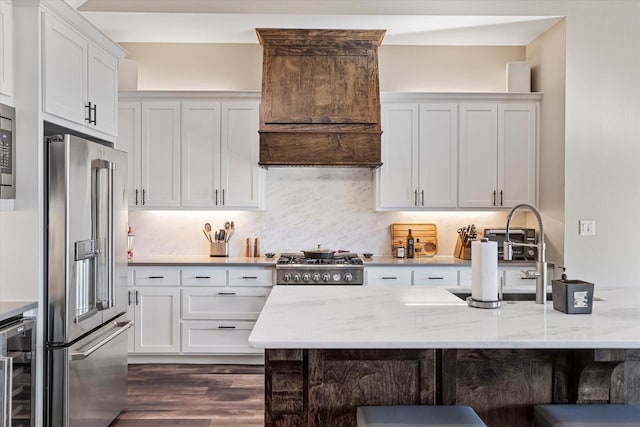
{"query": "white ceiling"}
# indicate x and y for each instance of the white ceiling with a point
(185, 21)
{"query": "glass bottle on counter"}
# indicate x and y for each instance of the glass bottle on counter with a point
(400, 250)
(418, 248)
(410, 245)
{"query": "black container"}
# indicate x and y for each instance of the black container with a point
(572, 296)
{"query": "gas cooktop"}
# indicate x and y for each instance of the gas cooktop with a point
(344, 268)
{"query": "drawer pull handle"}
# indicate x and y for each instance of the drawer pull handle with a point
(389, 278)
(203, 277)
(226, 327)
(529, 278)
(226, 293)
(435, 278)
(249, 277)
(155, 277)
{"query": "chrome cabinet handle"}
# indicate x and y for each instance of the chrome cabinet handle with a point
(136, 197)
(415, 197)
(128, 297)
(137, 299)
(389, 278)
(226, 293)
(501, 204)
(144, 201)
(223, 197)
(122, 328)
(493, 198)
(435, 278)
(216, 197)
(249, 277)
(226, 327)
(422, 197)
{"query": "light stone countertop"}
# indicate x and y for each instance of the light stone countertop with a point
(376, 261)
(420, 317)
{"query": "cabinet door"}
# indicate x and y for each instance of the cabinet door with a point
(397, 178)
(129, 140)
(240, 173)
(102, 89)
(160, 154)
(478, 155)
(157, 319)
(200, 154)
(438, 156)
(517, 136)
(64, 70)
(6, 52)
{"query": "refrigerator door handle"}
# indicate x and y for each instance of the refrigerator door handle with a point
(6, 370)
(121, 328)
(105, 283)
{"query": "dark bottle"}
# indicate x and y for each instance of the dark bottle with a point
(410, 245)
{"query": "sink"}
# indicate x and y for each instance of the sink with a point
(511, 297)
(507, 297)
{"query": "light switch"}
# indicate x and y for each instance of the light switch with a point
(587, 227)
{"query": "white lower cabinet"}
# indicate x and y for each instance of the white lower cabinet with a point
(382, 276)
(156, 314)
(217, 336)
(435, 276)
(196, 310)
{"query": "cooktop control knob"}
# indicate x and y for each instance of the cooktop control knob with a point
(316, 277)
(336, 277)
(326, 277)
(296, 277)
(306, 277)
(348, 277)
(286, 277)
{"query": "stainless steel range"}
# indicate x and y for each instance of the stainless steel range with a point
(342, 269)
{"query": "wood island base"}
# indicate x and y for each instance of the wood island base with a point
(320, 388)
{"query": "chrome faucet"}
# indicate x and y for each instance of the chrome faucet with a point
(540, 273)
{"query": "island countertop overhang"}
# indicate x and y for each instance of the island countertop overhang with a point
(410, 317)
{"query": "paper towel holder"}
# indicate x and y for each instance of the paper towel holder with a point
(483, 304)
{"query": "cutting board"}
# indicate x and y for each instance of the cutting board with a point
(426, 232)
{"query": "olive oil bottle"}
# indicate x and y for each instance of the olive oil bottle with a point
(410, 245)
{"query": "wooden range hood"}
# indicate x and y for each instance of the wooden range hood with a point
(320, 98)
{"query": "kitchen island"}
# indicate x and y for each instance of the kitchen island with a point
(330, 349)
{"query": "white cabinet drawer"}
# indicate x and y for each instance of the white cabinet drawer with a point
(380, 276)
(230, 337)
(156, 277)
(251, 277)
(435, 276)
(223, 303)
(204, 277)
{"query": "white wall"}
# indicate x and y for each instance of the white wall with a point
(546, 55)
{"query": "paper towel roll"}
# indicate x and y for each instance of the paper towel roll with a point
(484, 271)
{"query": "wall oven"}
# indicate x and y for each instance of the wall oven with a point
(7, 152)
(518, 235)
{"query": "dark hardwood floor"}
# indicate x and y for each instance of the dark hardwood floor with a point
(194, 396)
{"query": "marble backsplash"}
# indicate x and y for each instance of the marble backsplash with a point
(333, 207)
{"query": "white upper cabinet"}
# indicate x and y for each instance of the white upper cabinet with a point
(241, 177)
(191, 153)
(201, 154)
(220, 155)
(397, 178)
(498, 147)
(160, 154)
(6, 52)
(80, 79)
(419, 156)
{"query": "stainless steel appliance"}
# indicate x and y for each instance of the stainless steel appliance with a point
(18, 371)
(344, 268)
(7, 152)
(518, 235)
(86, 295)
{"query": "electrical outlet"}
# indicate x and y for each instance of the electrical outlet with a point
(587, 227)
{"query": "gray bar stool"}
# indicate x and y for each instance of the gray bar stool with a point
(418, 416)
(587, 415)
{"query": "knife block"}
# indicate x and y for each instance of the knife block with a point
(462, 251)
(219, 249)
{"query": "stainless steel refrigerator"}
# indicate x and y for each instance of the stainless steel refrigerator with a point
(85, 319)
